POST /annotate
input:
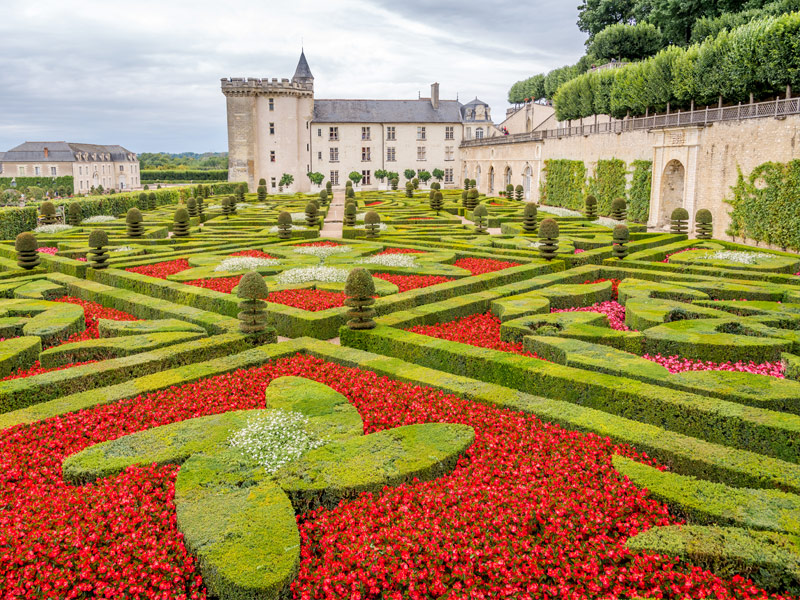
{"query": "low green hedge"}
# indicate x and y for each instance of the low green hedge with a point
(19, 353)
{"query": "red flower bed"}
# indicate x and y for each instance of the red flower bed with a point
(36, 369)
(400, 251)
(614, 285)
(162, 269)
(219, 284)
(375, 203)
(312, 300)
(92, 313)
(676, 364)
(531, 511)
(613, 310)
(412, 282)
(479, 266)
(252, 253)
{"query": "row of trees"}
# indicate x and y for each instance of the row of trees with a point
(164, 161)
(381, 174)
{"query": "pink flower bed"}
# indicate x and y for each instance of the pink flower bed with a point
(676, 364)
(48, 250)
(613, 310)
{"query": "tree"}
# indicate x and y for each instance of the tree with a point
(424, 176)
(596, 15)
(410, 174)
(392, 175)
(415, 183)
(409, 189)
(372, 224)
(479, 217)
(703, 225)
(316, 177)
(437, 201)
(262, 193)
(621, 237)
(380, 174)
(393, 182)
(548, 239)
(632, 42)
(438, 174)
(312, 215)
(355, 177)
(133, 223)
(285, 225)
(519, 193)
(286, 180)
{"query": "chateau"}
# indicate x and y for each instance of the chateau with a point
(91, 165)
(277, 127)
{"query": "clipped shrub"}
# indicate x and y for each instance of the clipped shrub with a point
(466, 185)
(133, 223)
(679, 221)
(74, 216)
(619, 209)
(415, 183)
(252, 290)
(703, 224)
(430, 194)
(350, 215)
(348, 184)
(519, 193)
(323, 197)
(350, 192)
(27, 250)
(180, 225)
(394, 183)
(437, 201)
(285, 225)
(436, 185)
(590, 208)
(409, 189)
(509, 190)
(479, 217)
(360, 289)
(144, 203)
(48, 213)
(262, 181)
(372, 221)
(191, 207)
(548, 239)
(464, 194)
(261, 192)
(312, 215)
(241, 189)
(621, 237)
(529, 218)
(329, 188)
(152, 201)
(472, 199)
(228, 206)
(98, 254)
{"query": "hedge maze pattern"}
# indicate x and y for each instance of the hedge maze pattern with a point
(680, 356)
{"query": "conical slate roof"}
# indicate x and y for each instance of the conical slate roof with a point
(302, 71)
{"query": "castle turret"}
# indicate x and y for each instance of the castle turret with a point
(302, 74)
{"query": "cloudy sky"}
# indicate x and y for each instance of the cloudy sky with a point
(146, 74)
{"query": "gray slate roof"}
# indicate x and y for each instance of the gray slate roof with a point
(303, 71)
(386, 111)
(60, 152)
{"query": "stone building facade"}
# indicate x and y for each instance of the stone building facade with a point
(277, 126)
(91, 165)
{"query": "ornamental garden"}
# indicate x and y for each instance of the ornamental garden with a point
(207, 393)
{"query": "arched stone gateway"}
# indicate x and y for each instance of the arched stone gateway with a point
(507, 178)
(672, 190)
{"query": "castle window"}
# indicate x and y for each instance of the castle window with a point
(421, 153)
(479, 133)
(365, 180)
(80, 170)
(319, 131)
(333, 134)
(448, 175)
(365, 133)
(273, 182)
(272, 156)
(365, 154)
(390, 154)
(272, 128)
(334, 178)
(272, 103)
(37, 170)
(319, 155)
(420, 133)
(469, 133)
(390, 132)
(449, 132)
(449, 153)
(21, 171)
(121, 169)
(334, 155)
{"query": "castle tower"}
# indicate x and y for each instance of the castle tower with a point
(269, 128)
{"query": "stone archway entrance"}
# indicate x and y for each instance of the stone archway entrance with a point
(672, 189)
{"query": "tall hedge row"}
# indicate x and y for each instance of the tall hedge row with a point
(608, 183)
(46, 183)
(639, 193)
(761, 57)
(14, 220)
(765, 205)
(563, 183)
(185, 175)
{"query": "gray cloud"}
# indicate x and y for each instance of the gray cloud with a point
(100, 71)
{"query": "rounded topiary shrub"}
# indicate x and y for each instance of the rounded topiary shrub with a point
(261, 192)
(323, 197)
(48, 212)
(409, 189)
(240, 191)
(133, 223)
(348, 183)
(74, 216)
(252, 290)
(394, 183)
(98, 253)
(191, 206)
(679, 221)
(529, 218)
(180, 225)
(703, 224)
(480, 218)
(436, 185)
(350, 193)
(262, 181)
(437, 201)
(143, 203)
(519, 193)
(329, 188)
(27, 248)
(472, 199)
(360, 289)
(312, 215)
(285, 225)
(619, 209)
(415, 183)
(372, 223)
(621, 237)
(590, 208)
(509, 190)
(152, 201)
(548, 239)
(350, 215)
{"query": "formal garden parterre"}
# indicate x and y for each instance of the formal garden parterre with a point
(460, 397)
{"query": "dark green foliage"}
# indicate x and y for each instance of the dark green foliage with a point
(228, 206)
(431, 193)
(191, 207)
(329, 188)
(529, 218)
(590, 208)
(261, 192)
(415, 182)
(409, 189)
(464, 194)
(285, 225)
(27, 250)
(467, 183)
(703, 224)
(619, 209)
(437, 200)
(621, 237)
(472, 199)
(519, 193)
(679, 221)
(143, 203)
(608, 183)
(152, 201)
(312, 215)
(394, 183)
(48, 212)
(563, 183)
(74, 217)
(323, 197)
(348, 183)
(133, 223)
(262, 181)
(252, 289)
(436, 185)
(98, 254)
(241, 190)
(527, 89)
(632, 42)
(510, 190)
(350, 215)
(372, 221)
(639, 194)
(180, 225)
(350, 192)
(479, 216)
(360, 289)
(168, 176)
(548, 239)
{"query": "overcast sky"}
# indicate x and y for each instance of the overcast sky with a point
(146, 74)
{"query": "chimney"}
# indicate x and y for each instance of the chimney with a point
(435, 96)
(46, 152)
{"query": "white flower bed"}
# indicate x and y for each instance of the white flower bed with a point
(738, 256)
(294, 228)
(608, 222)
(275, 438)
(124, 249)
(245, 263)
(322, 252)
(381, 226)
(99, 219)
(298, 216)
(306, 274)
(391, 260)
(560, 212)
(58, 228)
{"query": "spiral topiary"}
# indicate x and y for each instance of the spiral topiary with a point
(143, 203)
(466, 185)
(329, 188)
(350, 215)
(430, 194)
(74, 217)
(312, 215)
(703, 224)
(437, 201)
(133, 223)
(372, 221)
(350, 193)
(529, 218)
(409, 189)
(348, 183)
(27, 248)
(228, 206)
(323, 197)
(48, 212)
(152, 201)
(284, 225)
(360, 289)
(180, 225)
(621, 237)
(261, 192)
(548, 239)
(479, 217)
(590, 208)
(619, 209)
(436, 185)
(464, 194)
(509, 190)
(394, 183)
(191, 207)
(679, 221)
(252, 290)
(98, 254)
(415, 183)
(472, 199)
(240, 191)
(519, 193)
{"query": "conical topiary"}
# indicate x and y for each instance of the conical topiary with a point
(548, 239)
(74, 217)
(143, 203)
(329, 188)
(98, 254)
(509, 190)
(48, 212)
(479, 217)
(323, 197)
(350, 215)
(240, 191)
(415, 183)
(312, 215)
(529, 218)
(464, 194)
(590, 208)
(27, 250)
(191, 206)
(679, 221)
(152, 201)
(133, 223)
(180, 226)
(703, 224)
(350, 193)
(436, 185)
(472, 199)
(285, 225)
(252, 290)
(621, 237)
(372, 223)
(409, 189)
(519, 193)
(394, 183)
(437, 201)
(619, 209)
(360, 290)
(262, 192)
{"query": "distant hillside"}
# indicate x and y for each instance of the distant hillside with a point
(184, 160)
